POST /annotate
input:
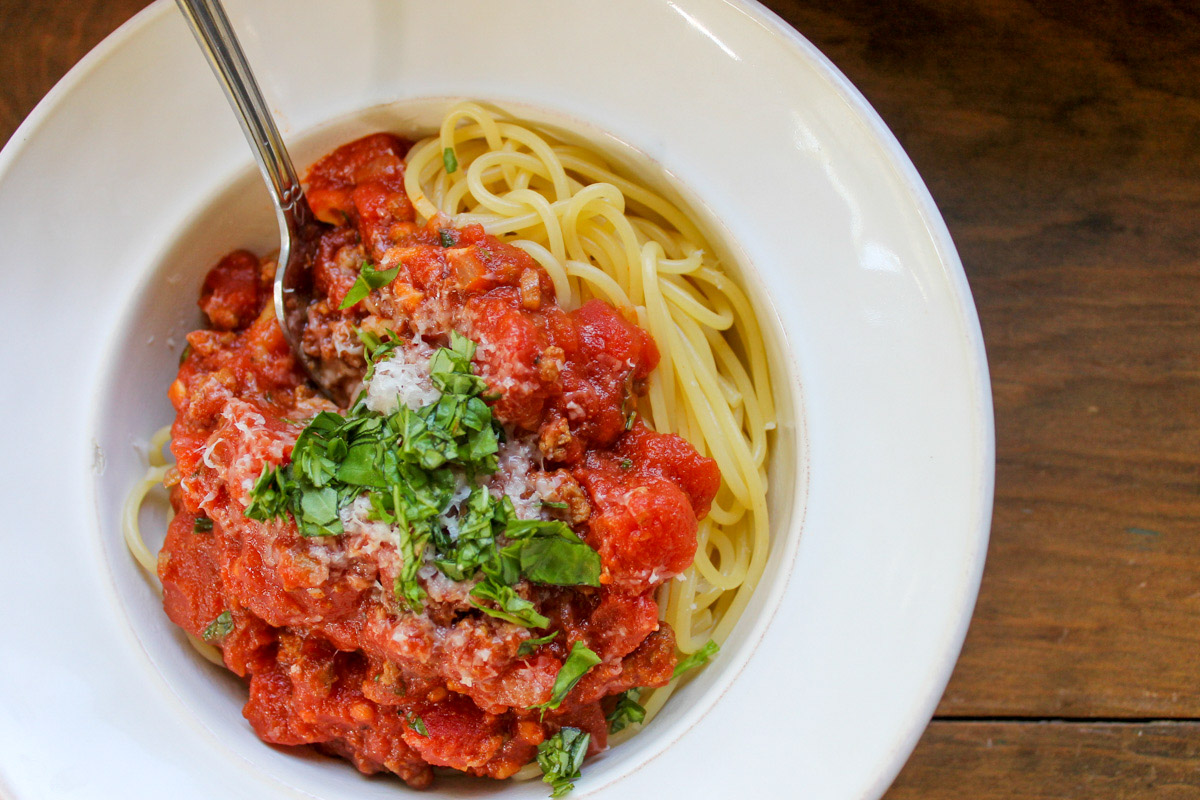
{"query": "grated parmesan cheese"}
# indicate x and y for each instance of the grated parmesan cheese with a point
(519, 476)
(402, 379)
(368, 534)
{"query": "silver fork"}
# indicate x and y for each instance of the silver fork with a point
(298, 229)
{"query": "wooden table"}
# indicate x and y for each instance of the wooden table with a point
(1061, 140)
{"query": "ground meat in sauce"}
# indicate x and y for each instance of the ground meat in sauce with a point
(330, 658)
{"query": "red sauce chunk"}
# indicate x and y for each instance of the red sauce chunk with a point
(332, 656)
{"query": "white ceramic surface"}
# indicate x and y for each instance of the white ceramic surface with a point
(131, 177)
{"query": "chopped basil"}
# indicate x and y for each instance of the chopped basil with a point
(529, 645)
(449, 161)
(524, 528)
(555, 504)
(270, 495)
(511, 606)
(627, 711)
(697, 658)
(478, 521)
(219, 628)
(416, 723)
(578, 662)
(187, 351)
(560, 562)
(375, 349)
(202, 524)
(629, 419)
(446, 237)
(369, 279)
(626, 463)
(410, 465)
(561, 757)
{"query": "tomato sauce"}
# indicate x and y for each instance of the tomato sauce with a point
(331, 659)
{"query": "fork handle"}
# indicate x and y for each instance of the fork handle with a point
(212, 30)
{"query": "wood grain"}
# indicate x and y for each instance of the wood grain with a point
(41, 39)
(1061, 141)
(1053, 761)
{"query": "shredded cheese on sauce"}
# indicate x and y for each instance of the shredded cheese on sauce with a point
(402, 379)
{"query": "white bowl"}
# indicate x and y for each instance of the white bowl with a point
(131, 177)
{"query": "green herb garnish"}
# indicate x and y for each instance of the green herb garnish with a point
(446, 237)
(510, 605)
(560, 758)
(369, 279)
(219, 628)
(416, 723)
(696, 659)
(410, 465)
(529, 645)
(627, 711)
(557, 561)
(202, 524)
(449, 161)
(578, 662)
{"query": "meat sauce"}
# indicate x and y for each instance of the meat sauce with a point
(330, 657)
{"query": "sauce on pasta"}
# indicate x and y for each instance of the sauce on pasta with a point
(548, 493)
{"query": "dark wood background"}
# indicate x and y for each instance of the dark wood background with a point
(1061, 141)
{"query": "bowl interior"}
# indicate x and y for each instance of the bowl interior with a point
(142, 361)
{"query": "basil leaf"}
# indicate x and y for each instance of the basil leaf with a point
(523, 528)
(560, 562)
(554, 504)
(446, 237)
(561, 757)
(269, 497)
(369, 279)
(414, 536)
(462, 345)
(362, 465)
(512, 607)
(697, 658)
(578, 662)
(476, 541)
(416, 723)
(449, 161)
(319, 512)
(358, 292)
(627, 711)
(219, 628)
(505, 566)
(529, 645)
(375, 349)
(202, 524)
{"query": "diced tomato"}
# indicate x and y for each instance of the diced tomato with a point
(671, 457)
(232, 291)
